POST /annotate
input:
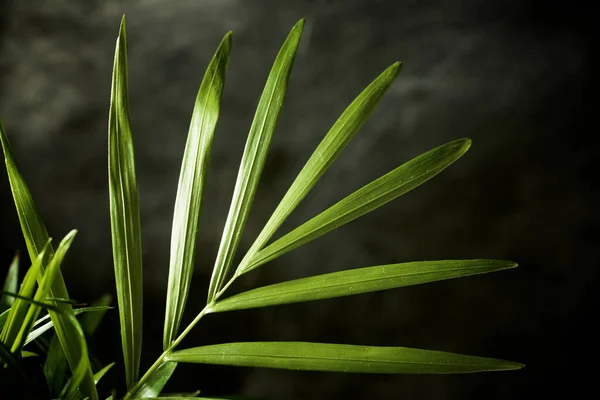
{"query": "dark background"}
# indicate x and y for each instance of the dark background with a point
(512, 75)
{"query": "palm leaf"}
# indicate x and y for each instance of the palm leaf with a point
(125, 215)
(82, 365)
(194, 170)
(18, 312)
(98, 375)
(339, 358)
(157, 381)
(255, 153)
(44, 324)
(382, 190)
(55, 366)
(91, 320)
(11, 283)
(36, 236)
(340, 134)
(357, 281)
(43, 289)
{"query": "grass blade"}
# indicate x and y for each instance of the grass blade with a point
(27, 354)
(80, 371)
(340, 134)
(55, 367)
(382, 190)
(18, 312)
(82, 365)
(44, 289)
(339, 358)
(255, 154)
(157, 381)
(125, 215)
(11, 283)
(98, 375)
(194, 170)
(91, 320)
(3, 317)
(8, 360)
(44, 324)
(36, 236)
(357, 281)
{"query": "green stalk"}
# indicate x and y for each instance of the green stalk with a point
(160, 360)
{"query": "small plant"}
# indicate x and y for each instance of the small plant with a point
(20, 323)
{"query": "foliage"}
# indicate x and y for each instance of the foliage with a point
(43, 286)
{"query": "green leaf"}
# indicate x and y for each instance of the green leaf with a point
(18, 312)
(339, 358)
(3, 317)
(382, 190)
(55, 367)
(91, 320)
(340, 134)
(356, 281)
(194, 170)
(8, 359)
(11, 283)
(36, 236)
(44, 289)
(125, 215)
(157, 381)
(27, 354)
(83, 365)
(98, 375)
(255, 154)
(44, 324)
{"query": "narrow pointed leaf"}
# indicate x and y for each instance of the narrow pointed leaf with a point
(194, 170)
(76, 395)
(27, 354)
(339, 358)
(382, 190)
(3, 317)
(125, 215)
(18, 311)
(44, 324)
(91, 320)
(340, 134)
(98, 375)
(8, 359)
(255, 154)
(44, 289)
(55, 367)
(157, 381)
(36, 236)
(11, 283)
(83, 364)
(357, 281)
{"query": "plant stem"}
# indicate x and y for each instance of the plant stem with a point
(160, 360)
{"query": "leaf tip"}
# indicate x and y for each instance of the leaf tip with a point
(122, 29)
(466, 144)
(395, 68)
(512, 366)
(300, 24)
(227, 41)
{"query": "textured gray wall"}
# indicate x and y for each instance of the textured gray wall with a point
(513, 76)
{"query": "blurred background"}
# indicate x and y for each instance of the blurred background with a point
(515, 76)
